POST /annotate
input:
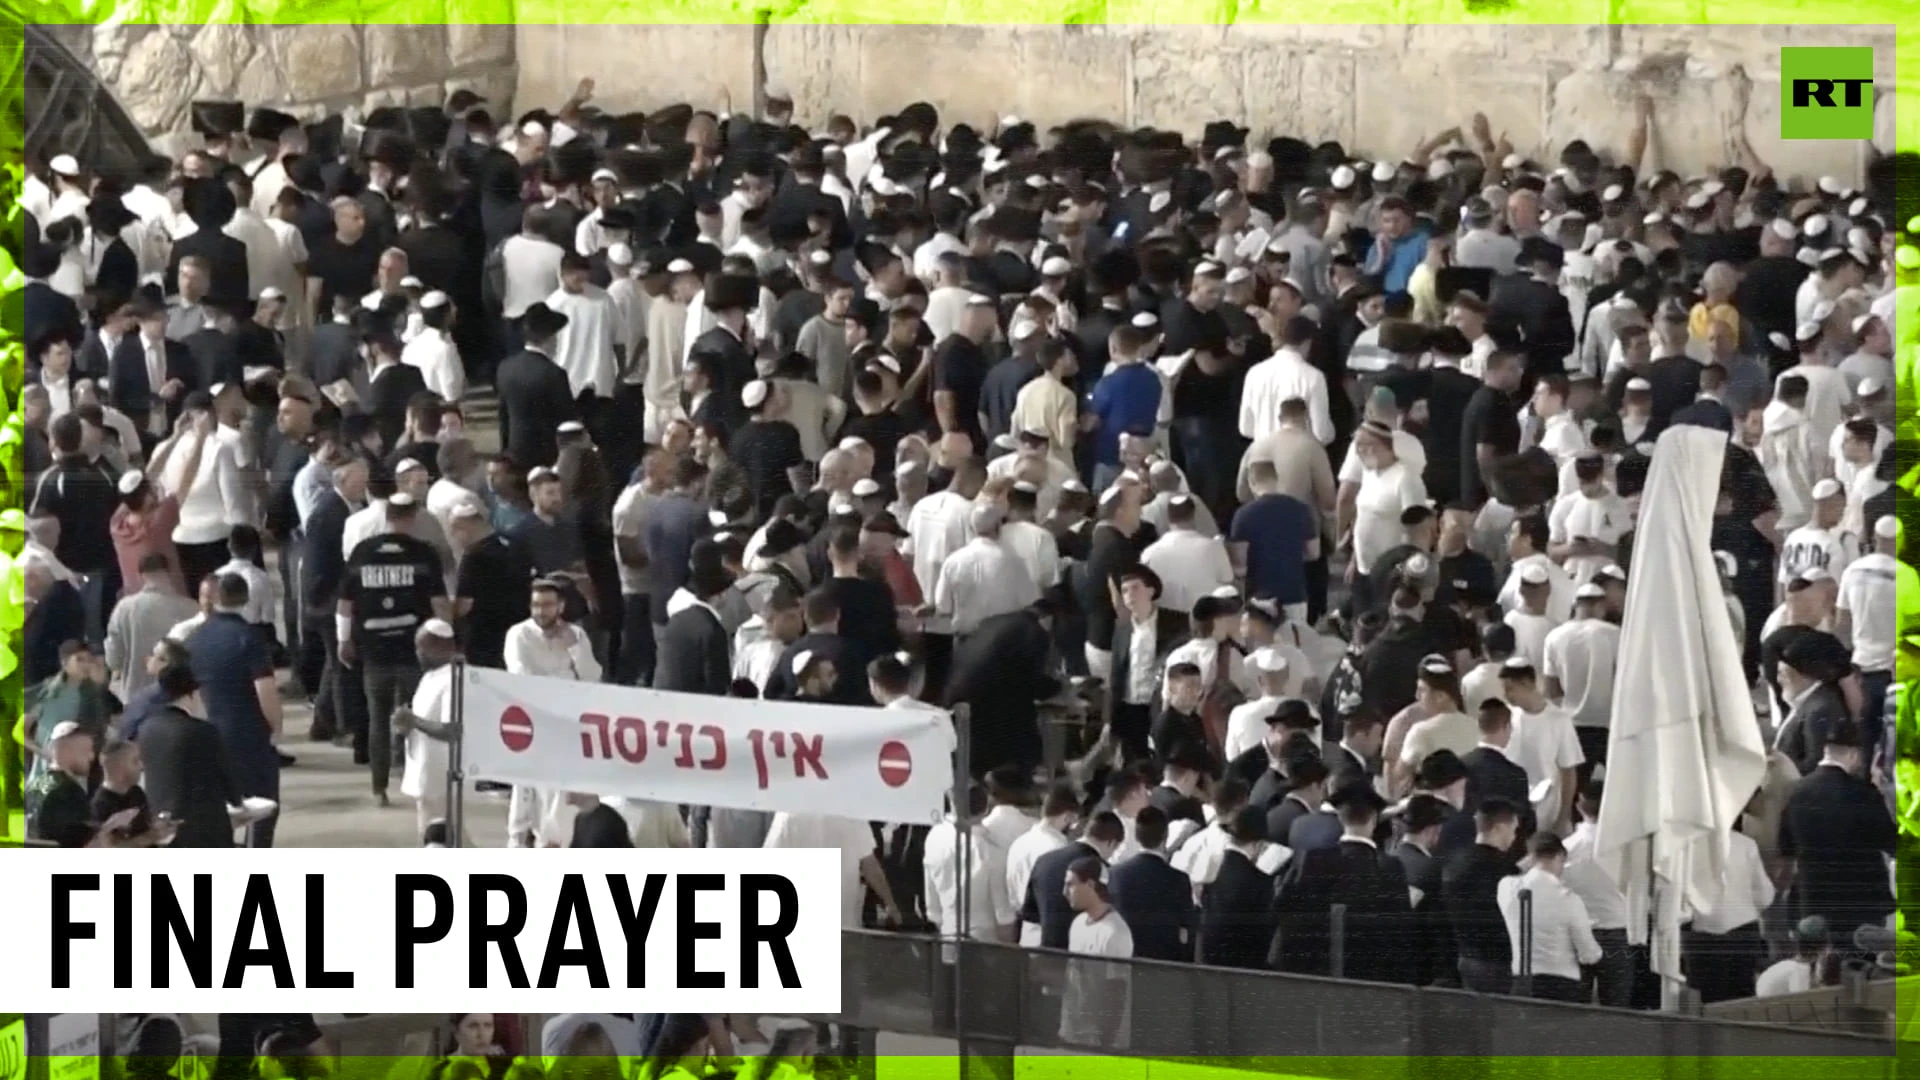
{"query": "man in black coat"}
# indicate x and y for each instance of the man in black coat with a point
(1237, 918)
(130, 385)
(1837, 830)
(209, 204)
(1000, 671)
(1357, 874)
(1045, 904)
(1469, 891)
(392, 387)
(823, 642)
(535, 396)
(1491, 774)
(46, 312)
(1532, 305)
(1431, 963)
(339, 706)
(333, 352)
(1154, 899)
(187, 774)
(1132, 721)
(725, 355)
(694, 651)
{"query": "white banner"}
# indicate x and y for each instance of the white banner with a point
(382, 930)
(892, 765)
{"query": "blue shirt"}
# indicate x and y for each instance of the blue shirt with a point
(1126, 400)
(227, 656)
(1276, 530)
(1408, 252)
(144, 703)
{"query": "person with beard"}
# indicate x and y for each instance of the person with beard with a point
(694, 653)
(824, 643)
(535, 395)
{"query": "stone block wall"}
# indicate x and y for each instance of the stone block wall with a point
(304, 70)
(1378, 89)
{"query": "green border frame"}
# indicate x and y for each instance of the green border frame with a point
(1703, 13)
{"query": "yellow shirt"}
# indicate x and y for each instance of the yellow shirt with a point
(1047, 404)
(1703, 317)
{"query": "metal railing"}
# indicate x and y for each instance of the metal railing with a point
(1045, 999)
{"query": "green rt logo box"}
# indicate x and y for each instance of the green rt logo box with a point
(1826, 93)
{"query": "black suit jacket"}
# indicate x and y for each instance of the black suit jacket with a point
(1372, 885)
(1000, 671)
(1281, 817)
(46, 311)
(535, 399)
(1432, 937)
(1170, 630)
(334, 353)
(1236, 916)
(732, 367)
(188, 776)
(1491, 774)
(1469, 887)
(1156, 903)
(693, 654)
(851, 687)
(212, 358)
(1539, 313)
(323, 563)
(388, 393)
(1046, 904)
(131, 391)
(1837, 829)
(226, 261)
(1176, 806)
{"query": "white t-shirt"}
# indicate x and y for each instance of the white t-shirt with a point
(853, 839)
(1530, 636)
(1190, 566)
(1457, 732)
(1544, 743)
(1098, 1000)
(1789, 976)
(1582, 655)
(1406, 447)
(1810, 545)
(1384, 495)
(1582, 516)
(1870, 594)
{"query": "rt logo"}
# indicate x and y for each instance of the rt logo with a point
(1826, 93)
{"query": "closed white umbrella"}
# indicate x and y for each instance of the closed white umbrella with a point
(1685, 751)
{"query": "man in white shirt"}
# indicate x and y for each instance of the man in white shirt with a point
(1544, 744)
(1096, 1010)
(1060, 813)
(859, 858)
(1615, 974)
(982, 579)
(1190, 564)
(1725, 946)
(589, 346)
(530, 264)
(991, 914)
(1800, 972)
(1562, 930)
(1879, 594)
(938, 527)
(1820, 542)
(1527, 541)
(1247, 724)
(549, 646)
(1035, 547)
(1578, 666)
(1285, 375)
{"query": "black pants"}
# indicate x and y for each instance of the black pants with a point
(290, 612)
(938, 657)
(1553, 988)
(1724, 967)
(386, 686)
(633, 666)
(199, 560)
(1486, 976)
(310, 666)
(1593, 747)
(1319, 578)
(1131, 726)
(1613, 977)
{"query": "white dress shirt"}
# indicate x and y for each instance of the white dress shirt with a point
(937, 527)
(979, 581)
(584, 349)
(1286, 374)
(267, 263)
(1562, 929)
(1021, 855)
(564, 654)
(212, 501)
(434, 353)
(1247, 725)
(1143, 674)
(989, 907)
(852, 839)
(1605, 903)
(532, 271)
(1189, 565)
(1745, 889)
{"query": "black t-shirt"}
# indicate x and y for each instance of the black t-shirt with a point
(868, 619)
(960, 368)
(494, 574)
(343, 269)
(1490, 421)
(1110, 554)
(883, 431)
(391, 580)
(63, 816)
(107, 802)
(552, 545)
(763, 451)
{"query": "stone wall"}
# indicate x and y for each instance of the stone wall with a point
(1378, 89)
(303, 70)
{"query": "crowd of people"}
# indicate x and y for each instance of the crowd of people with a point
(1315, 479)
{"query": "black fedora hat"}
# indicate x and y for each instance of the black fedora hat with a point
(541, 322)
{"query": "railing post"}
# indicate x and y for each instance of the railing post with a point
(1523, 986)
(1337, 941)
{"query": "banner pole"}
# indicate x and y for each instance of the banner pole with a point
(456, 759)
